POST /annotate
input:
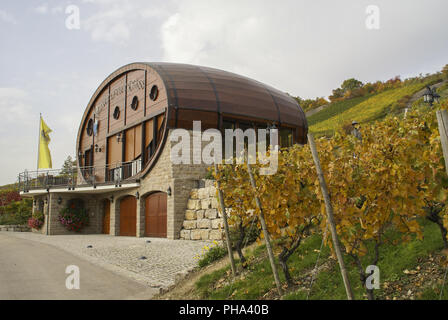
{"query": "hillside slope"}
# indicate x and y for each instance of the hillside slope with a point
(372, 108)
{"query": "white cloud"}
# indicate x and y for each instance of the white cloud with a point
(121, 21)
(7, 17)
(306, 48)
(42, 9)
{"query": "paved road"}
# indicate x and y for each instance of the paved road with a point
(34, 270)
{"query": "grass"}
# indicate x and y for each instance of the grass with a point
(373, 108)
(258, 280)
(211, 255)
(394, 259)
(335, 109)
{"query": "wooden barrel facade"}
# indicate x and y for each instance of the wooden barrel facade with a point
(129, 115)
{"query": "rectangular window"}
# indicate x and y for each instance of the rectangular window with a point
(285, 137)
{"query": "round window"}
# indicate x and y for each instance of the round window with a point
(154, 93)
(89, 128)
(116, 112)
(134, 103)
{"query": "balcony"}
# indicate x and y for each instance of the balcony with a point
(81, 179)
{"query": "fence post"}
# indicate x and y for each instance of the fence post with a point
(265, 230)
(330, 218)
(226, 224)
(442, 119)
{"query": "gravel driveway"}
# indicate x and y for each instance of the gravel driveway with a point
(154, 262)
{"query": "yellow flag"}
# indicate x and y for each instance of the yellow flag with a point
(44, 153)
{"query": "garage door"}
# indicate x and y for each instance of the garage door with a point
(155, 214)
(128, 216)
(106, 217)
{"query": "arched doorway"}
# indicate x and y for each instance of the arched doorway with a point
(106, 216)
(155, 214)
(128, 216)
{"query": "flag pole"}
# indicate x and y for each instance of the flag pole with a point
(38, 147)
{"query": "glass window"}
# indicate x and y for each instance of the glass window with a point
(285, 137)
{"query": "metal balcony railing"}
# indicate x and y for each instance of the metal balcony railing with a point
(79, 176)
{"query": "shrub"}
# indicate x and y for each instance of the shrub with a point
(211, 254)
(37, 220)
(8, 196)
(16, 212)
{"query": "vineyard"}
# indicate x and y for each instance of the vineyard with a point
(368, 108)
(388, 193)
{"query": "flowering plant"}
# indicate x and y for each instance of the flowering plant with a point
(74, 218)
(37, 220)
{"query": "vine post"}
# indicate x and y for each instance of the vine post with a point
(226, 224)
(330, 218)
(442, 120)
(265, 230)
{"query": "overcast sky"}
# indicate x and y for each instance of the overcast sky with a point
(306, 48)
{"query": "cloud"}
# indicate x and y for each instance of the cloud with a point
(120, 22)
(112, 23)
(7, 17)
(42, 9)
(306, 48)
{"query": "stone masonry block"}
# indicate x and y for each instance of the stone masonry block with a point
(212, 192)
(204, 224)
(200, 214)
(215, 235)
(211, 213)
(205, 204)
(195, 234)
(194, 194)
(185, 234)
(189, 224)
(216, 223)
(215, 203)
(205, 234)
(190, 215)
(203, 193)
(194, 204)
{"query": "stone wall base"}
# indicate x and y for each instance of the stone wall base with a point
(203, 221)
(15, 228)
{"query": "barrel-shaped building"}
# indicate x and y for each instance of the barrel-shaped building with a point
(125, 176)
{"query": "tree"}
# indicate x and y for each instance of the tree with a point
(337, 94)
(445, 71)
(69, 167)
(308, 104)
(351, 84)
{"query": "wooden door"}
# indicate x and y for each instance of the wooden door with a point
(155, 214)
(128, 216)
(106, 217)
